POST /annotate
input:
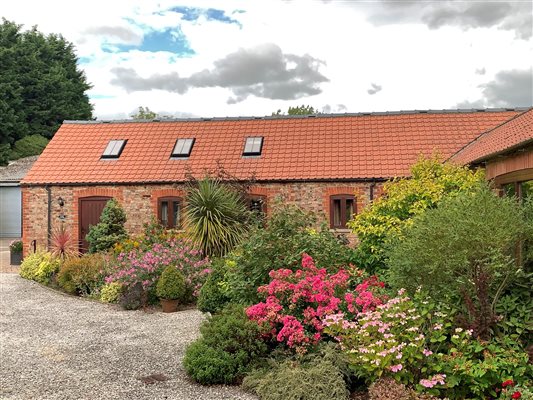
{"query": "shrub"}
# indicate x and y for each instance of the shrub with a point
(213, 295)
(15, 246)
(289, 233)
(389, 389)
(83, 275)
(31, 145)
(39, 266)
(215, 216)
(171, 284)
(109, 230)
(145, 266)
(384, 220)
(229, 345)
(293, 380)
(414, 342)
(133, 297)
(110, 292)
(465, 248)
(297, 302)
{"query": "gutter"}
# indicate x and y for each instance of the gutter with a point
(49, 215)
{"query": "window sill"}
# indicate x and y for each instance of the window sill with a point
(341, 230)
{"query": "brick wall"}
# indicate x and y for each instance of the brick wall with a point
(140, 202)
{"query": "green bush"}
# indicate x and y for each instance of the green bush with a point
(289, 233)
(463, 249)
(210, 365)
(171, 284)
(383, 221)
(319, 379)
(110, 230)
(229, 345)
(110, 292)
(214, 294)
(82, 275)
(31, 145)
(39, 266)
(215, 216)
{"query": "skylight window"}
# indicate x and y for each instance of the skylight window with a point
(253, 146)
(114, 148)
(183, 147)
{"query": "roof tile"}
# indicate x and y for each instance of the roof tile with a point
(325, 147)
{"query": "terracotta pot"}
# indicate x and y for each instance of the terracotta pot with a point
(15, 258)
(169, 305)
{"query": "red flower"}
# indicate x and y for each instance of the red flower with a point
(508, 382)
(516, 395)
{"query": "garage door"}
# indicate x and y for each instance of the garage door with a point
(10, 212)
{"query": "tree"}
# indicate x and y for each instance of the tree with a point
(430, 182)
(215, 216)
(144, 113)
(298, 110)
(109, 230)
(40, 83)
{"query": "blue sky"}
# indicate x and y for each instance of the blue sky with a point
(251, 57)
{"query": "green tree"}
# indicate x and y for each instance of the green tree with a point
(298, 110)
(430, 182)
(109, 230)
(30, 145)
(40, 83)
(144, 113)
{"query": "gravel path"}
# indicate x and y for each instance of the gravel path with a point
(55, 346)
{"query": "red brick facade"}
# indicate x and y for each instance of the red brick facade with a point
(140, 202)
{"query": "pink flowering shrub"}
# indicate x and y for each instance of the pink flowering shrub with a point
(145, 266)
(387, 341)
(297, 302)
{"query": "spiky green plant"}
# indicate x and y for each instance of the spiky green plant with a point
(215, 216)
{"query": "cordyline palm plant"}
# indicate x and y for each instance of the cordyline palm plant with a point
(215, 216)
(62, 244)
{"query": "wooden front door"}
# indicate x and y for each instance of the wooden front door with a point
(90, 209)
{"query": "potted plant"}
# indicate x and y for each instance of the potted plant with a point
(170, 288)
(15, 252)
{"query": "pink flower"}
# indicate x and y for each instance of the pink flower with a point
(427, 352)
(396, 368)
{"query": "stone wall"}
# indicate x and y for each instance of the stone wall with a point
(140, 202)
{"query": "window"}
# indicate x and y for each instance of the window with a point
(342, 209)
(526, 189)
(253, 146)
(183, 148)
(114, 148)
(169, 212)
(257, 204)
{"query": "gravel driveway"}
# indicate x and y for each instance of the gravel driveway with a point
(55, 346)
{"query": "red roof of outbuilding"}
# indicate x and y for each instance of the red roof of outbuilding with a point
(512, 134)
(323, 147)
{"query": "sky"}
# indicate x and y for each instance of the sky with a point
(202, 58)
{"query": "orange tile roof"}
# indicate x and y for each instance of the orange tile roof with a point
(512, 134)
(325, 147)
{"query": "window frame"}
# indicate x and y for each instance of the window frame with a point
(262, 198)
(121, 149)
(253, 153)
(343, 217)
(182, 155)
(170, 200)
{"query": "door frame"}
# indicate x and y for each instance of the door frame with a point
(80, 218)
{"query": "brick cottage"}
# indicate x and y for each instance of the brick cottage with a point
(331, 164)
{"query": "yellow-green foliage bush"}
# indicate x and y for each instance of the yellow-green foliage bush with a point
(430, 182)
(82, 275)
(39, 266)
(110, 292)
